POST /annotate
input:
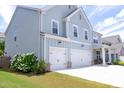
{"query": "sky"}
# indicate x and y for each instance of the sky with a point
(107, 20)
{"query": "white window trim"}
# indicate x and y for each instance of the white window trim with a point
(87, 34)
(53, 20)
(77, 30)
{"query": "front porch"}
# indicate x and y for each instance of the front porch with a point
(104, 55)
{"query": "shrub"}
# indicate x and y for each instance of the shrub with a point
(40, 67)
(2, 46)
(27, 63)
(115, 62)
(1, 52)
(121, 63)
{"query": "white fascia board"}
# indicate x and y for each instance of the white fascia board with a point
(65, 39)
(27, 7)
(48, 7)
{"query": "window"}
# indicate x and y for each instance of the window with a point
(55, 27)
(69, 6)
(80, 17)
(75, 29)
(98, 55)
(86, 35)
(14, 36)
(95, 41)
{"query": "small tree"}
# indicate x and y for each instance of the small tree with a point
(2, 46)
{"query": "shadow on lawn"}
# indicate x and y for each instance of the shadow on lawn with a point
(21, 73)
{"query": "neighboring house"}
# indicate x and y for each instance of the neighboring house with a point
(2, 36)
(117, 44)
(61, 35)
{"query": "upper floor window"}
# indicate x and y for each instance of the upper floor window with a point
(80, 17)
(69, 6)
(55, 27)
(86, 35)
(75, 30)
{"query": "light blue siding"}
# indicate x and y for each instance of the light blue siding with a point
(58, 13)
(25, 26)
(82, 25)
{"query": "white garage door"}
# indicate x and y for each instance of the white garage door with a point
(57, 58)
(80, 58)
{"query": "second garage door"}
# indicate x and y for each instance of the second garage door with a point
(80, 58)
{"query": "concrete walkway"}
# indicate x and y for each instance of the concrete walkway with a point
(112, 74)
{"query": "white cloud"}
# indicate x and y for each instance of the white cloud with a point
(107, 22)
(113, 28)
(110, 24)
(6, 12)
(121, 14)
(100, 10)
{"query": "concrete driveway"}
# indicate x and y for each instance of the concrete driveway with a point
(112, 74)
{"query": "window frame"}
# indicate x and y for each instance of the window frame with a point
(73, 30)
(56, 21)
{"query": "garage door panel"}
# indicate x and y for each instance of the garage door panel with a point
(80, 58)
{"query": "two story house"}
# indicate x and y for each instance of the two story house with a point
(61, 35)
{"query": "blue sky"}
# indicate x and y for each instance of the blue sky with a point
(108, 20)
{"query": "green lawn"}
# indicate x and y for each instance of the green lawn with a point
(9, 79)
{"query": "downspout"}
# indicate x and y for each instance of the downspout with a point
(39, 34)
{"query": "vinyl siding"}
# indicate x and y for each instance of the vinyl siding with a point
(82, 25)
(26, 24)
(58, 13)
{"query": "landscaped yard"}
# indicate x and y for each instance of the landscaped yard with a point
(10, 79)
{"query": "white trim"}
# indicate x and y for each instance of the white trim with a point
(73, 30)
(28, 7)
(48, 7)
(65, 39)
(53, 20)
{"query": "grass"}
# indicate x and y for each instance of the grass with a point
(10, 79)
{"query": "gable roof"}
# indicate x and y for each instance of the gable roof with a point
(83, 13)
(113, 39)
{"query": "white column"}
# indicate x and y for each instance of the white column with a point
(45, 58)
(103, 56)
(109, 50)
(67, 29)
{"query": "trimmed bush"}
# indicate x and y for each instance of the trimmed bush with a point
(27, 63)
